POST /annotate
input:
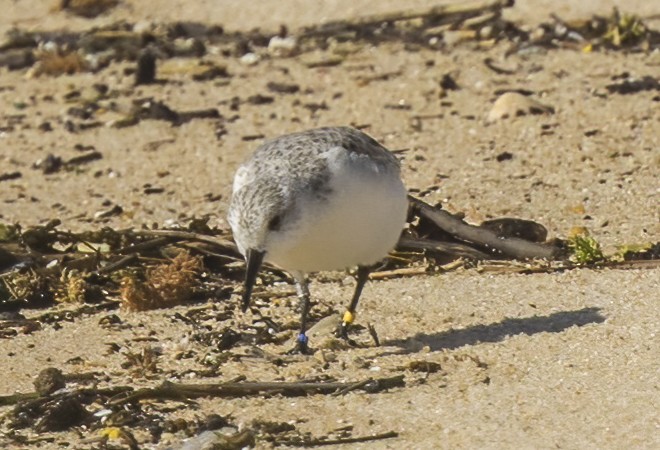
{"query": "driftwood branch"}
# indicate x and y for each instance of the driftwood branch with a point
(511, 247)
(180, 391)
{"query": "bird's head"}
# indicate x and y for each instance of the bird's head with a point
(257, 214)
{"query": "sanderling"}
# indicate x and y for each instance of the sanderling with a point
(322, 199)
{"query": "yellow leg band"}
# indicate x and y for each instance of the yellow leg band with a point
(349, 317)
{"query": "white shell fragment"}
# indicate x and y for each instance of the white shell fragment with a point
(282, 46)
(512, 104)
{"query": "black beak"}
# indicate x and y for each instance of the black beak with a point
(253, 258)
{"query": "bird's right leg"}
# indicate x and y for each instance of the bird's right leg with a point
(303, 294)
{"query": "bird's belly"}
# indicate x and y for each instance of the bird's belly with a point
(358, 223)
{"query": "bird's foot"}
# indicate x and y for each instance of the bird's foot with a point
(301, 346)
(342, 333)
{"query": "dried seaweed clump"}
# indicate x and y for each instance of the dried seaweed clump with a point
(585, 249)
(625, 29)
(166, 285)
(29, 286)
(9, 233)
(70, 288)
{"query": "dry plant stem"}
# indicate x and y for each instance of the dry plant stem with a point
(264, 295)
(449, 13)
(512, 247)
(18, 323)
(339, 441)
(634, 264)
(515, 267)
(179, 391)
(221, 244)
(61, 314)
(201, 247)
(13, 399)
(499, 268)
(396, 273)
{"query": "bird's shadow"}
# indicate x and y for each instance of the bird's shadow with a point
(498, 331)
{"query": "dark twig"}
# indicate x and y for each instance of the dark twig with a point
(203, 247)
(451, 248)
(374, 334)
(351, 387)
(119, 264)
(143, 246)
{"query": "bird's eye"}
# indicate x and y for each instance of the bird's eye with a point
(275, 223)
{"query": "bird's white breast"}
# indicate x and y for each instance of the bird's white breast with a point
(357, 223)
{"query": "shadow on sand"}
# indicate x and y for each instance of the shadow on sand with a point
(495, 332)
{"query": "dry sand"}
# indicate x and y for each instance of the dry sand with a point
(566, 360)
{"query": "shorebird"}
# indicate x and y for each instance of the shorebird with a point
(322, 199)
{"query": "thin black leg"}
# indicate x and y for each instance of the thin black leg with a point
(349, 315)
(303, 295)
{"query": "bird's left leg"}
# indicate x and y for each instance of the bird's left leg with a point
(349, 315)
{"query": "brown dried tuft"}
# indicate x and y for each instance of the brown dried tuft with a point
(58, 62)
(70, 288)
(143, 364)
(166, 285)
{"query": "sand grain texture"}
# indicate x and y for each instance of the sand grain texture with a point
(565, 360)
